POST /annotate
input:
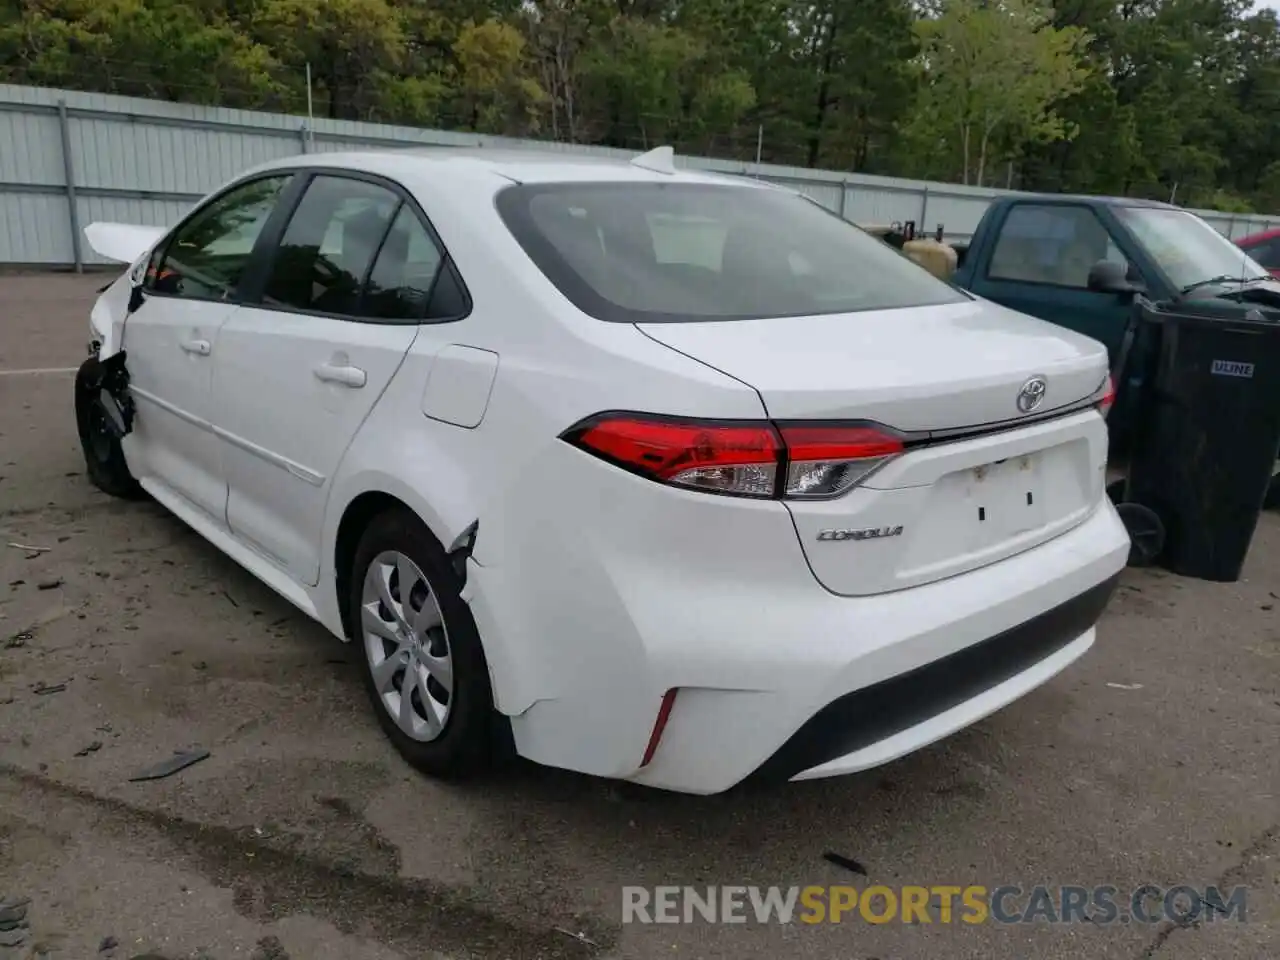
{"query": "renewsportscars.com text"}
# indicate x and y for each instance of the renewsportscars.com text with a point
(1104, 905)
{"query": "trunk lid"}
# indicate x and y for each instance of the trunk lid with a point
(981, 479)
(122, 242)
(929, 368)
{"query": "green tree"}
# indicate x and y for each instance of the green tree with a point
(994, 73)
(355, 49)
(148, 48)
(496, 92)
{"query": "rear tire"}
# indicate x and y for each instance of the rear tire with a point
(423, 640)
(103, 456)
(1147, 533)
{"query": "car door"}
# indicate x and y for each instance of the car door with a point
(1040, 264)
(300, 370)
(189, 290)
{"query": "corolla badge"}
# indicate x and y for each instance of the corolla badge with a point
(868, 533)
(1032, 394)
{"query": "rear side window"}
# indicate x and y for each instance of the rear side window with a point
(405, 272)
(330, 245)
(657, 252)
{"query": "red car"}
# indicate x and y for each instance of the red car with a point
(1264, 248)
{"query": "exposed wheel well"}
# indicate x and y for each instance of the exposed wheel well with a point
(359, 513)
(351, 527)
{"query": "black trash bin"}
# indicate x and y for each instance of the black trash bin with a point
(1206, 432)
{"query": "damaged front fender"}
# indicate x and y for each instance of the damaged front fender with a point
(106, 319)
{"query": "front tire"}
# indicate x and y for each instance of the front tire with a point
(421, 659)
(103, 456)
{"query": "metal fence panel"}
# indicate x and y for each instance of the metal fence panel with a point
(147, 161)
(34, 229)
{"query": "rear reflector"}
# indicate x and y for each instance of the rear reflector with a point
(739, 458)
(664, 714)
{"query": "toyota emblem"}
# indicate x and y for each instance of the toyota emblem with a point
(1032, 394)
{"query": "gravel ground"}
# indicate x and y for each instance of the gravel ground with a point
(302, 835)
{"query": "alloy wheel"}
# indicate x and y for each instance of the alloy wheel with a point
(407, 644)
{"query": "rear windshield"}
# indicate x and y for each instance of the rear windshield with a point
(658, 252)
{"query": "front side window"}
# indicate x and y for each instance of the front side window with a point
(329, 246)
(1056, 244)
(207, 255)
(1186, 248)
(682, 252)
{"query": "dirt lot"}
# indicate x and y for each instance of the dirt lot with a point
(1154, 760)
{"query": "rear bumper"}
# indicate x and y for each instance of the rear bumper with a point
(598, 599)
(871, 725)
(867, 680)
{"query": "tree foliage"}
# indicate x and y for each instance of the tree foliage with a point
(1160, 98)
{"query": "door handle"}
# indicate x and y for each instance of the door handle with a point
(199, 347)
(345, 375)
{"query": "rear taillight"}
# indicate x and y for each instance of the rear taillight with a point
(825, 461)
(744, 459)
(1107, 396)
(721, 457)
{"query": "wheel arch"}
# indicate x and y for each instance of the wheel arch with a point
(358, 512)
(354, 505)
(356, 518)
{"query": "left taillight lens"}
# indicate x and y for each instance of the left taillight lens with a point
(746, 459)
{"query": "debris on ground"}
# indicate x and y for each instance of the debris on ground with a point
(13, 938)
(13, 912)
(13, 921)
(846, 862)
(91, 748)
(50, 584)
(1125, 686)
(580, 937)
(19, 640)
(108, 944)
(43, 689)
(180, 760)
(29, 548)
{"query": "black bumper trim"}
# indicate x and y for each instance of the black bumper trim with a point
(869, 715)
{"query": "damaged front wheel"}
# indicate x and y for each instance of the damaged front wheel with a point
(103, 455)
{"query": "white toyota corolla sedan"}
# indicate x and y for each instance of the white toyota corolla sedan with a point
(645, 473)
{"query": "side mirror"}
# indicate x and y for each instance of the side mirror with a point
(1107, 276)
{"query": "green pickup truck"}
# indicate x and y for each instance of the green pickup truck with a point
(1079, 262)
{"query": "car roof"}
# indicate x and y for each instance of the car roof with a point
(1091, 200)
(510, 165)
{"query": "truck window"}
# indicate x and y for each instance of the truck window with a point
(1054, 244)
(1186, 248)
